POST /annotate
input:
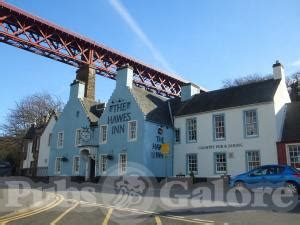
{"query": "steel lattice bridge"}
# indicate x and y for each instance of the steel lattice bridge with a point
(23, 30)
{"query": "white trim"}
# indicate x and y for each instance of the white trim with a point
(78, 129)
(101, 134)
(124, 172)
(287, 152)
(100, 163)
(73, 165)
(55, 171)
(128, 130)
(57, 141)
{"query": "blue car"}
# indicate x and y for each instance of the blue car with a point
(269, 176)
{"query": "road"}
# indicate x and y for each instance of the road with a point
(66, 208)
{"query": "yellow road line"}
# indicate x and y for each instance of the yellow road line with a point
(64, 213)
(59, 199)
(187, 220)
(108, 215)
(157, 220)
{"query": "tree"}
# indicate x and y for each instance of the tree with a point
(251, 78)
(30, 110)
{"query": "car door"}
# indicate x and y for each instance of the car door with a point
(274, 176)
(256, 177)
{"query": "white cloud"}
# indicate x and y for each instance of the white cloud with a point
(296, 63)
(123, 12)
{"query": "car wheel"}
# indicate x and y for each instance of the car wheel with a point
(291, 187)
(239, 184)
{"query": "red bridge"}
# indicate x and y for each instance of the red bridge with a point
(23, 30)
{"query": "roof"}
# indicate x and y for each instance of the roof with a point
(258, 92)
(92, 109)
(291, 127)
(154, 107)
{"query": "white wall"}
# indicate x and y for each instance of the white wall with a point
(234, 125)
(44, 150)
(29, 156)
(281, 97)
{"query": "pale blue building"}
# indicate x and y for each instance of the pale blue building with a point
(89, 138)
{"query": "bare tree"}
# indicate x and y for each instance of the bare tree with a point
(251, 78)
(31, 109)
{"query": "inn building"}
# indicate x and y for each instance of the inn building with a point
(232, 130)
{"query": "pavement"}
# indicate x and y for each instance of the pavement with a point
(88, 203)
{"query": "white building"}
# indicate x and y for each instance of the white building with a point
(37, 148)
(232, 130)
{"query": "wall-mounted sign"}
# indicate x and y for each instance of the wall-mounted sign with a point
(224, 146)
(120, 116)
(165, 148)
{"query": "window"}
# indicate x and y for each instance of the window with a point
(77, 114)
(132, 130)
(220, 163)
(78, 137)
(219, 127)
(294, 155)
(192, 163)
(252, 160)
(250, 123)
(103, 163)
(103, 133)
(122, 163)
(60, 139)
(49, 139)
(76, 164)
(58, 165)
(191, 128)
(177, 135)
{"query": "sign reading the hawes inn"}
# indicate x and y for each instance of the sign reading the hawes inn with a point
(120, 116)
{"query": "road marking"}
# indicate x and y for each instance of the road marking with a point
(158, 221)
(173, 217)
(54, 222)
(58, 200)
(187, 220)
(207, 221)
(108, 215)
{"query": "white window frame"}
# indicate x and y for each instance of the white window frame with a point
(177, 141)
(78, 133)
(216, 163)
(251, 160)
(190, 161)
(103, 161)
(288, 156)
(62, 140)
(56, 162)
(102, 139)
(121, 164)
(253, 123)
(217, 128)
(73, 170)
(190, 128)
(129, 131)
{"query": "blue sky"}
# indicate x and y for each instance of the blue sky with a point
(203, 41)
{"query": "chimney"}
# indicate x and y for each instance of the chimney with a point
(87, 75)
(278, 71)
(77, 90)
(124, 76)
(188, 91)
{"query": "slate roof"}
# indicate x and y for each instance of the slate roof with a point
(291, 127)
(154, 107)
(92, 109)
(258, 92)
